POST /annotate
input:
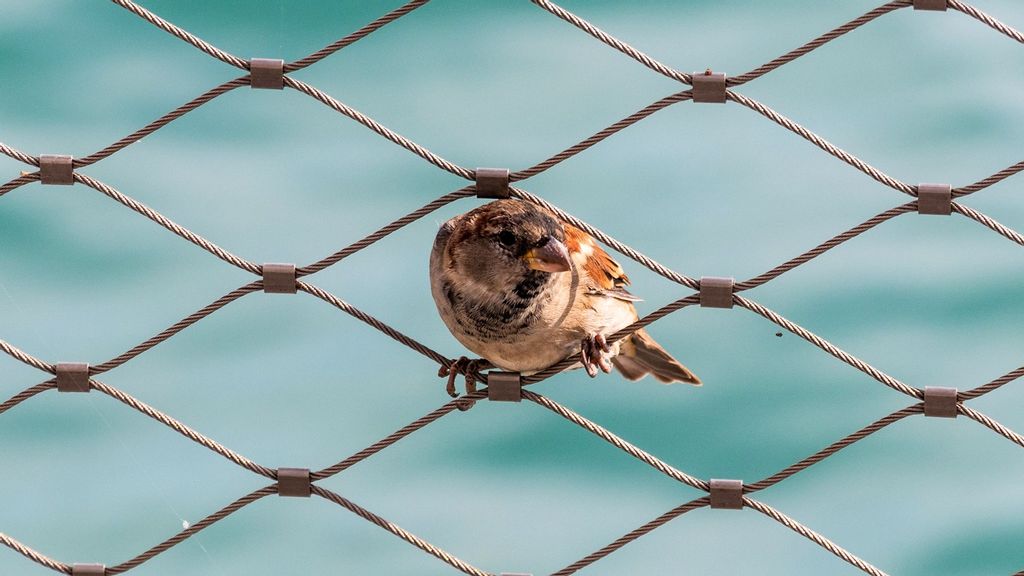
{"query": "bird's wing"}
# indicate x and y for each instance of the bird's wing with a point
(605, 275)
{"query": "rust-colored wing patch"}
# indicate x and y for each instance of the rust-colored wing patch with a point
(593, 260)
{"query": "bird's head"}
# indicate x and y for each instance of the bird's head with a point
(502, 243)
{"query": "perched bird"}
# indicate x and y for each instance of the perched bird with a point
(524, 290)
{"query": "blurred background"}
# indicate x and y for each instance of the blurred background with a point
(706, 190)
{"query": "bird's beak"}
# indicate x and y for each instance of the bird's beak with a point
(552, 256)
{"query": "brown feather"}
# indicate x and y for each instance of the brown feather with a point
(641, 355)
(596, 263)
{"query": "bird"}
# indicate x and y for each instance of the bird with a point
(525, 290)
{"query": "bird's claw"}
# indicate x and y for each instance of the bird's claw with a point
(470, 369)
(595, 353)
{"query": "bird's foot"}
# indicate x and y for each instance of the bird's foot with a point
(595, 353)
(470, 369)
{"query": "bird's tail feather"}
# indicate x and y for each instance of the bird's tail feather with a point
(640, 355)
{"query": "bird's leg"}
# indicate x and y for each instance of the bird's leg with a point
(452, 371)
(604, 355)
(594, 354)
(585, 351)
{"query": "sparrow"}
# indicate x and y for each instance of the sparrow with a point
(524, 290)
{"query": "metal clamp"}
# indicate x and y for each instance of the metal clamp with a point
(492, 183)
(266, 73)
(939, 5)
(934, 199)
(279, 278)
(708, 87)
(727, 494)
(293, 482)
(940, 402)
(88, 570)
(716, 292)
(72, 377)
(504, 387)
(56, 169)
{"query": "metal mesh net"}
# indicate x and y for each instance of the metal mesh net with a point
(928, 199)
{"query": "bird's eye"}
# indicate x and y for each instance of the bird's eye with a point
(507, 238)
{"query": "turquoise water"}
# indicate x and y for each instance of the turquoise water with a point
(709, 190)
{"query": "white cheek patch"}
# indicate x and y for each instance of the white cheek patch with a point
(479, 287)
